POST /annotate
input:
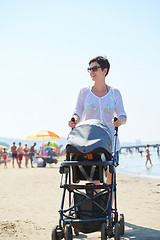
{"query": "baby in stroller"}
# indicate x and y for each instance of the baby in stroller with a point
(89, 207)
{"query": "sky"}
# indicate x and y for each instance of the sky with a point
(45, 47)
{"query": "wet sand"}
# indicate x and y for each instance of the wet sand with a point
(30, 200)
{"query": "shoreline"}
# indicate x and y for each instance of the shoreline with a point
(30, 200)
(139, 175)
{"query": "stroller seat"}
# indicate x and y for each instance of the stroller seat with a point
(89, 136)
(88, 142)
(87, 172)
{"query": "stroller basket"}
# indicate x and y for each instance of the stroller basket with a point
(90, 208)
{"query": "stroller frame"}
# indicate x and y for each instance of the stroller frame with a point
(101, 214)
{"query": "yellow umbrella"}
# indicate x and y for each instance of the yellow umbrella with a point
(43, 135)
(3, 147)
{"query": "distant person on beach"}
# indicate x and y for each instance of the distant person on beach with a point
(26, 155)
(14, 154)
(5, 154)
(20, 154)
(148, 155)
(43, 151)
(0, 156)
(31, 154)
(157, 149)
(100, 101)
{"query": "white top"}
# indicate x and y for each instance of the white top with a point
(105, 108)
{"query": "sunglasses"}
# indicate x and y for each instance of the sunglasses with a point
(94, 69)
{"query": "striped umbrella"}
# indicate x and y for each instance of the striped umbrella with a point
(43, 135)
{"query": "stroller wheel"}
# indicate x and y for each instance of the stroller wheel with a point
(76, 232)
(103, 231)
(121, 222)
(68, 232)
(117, 232)
(54, 235)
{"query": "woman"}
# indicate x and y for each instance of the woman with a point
(148, 155)
(101, 101)
(26, 155)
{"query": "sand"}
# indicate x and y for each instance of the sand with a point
(30, 199)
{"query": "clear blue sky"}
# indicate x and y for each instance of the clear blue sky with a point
(45, 47)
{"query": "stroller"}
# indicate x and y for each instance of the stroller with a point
(89, 206)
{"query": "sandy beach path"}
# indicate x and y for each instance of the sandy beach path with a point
(30, 200)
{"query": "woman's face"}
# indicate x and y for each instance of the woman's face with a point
(96, 71)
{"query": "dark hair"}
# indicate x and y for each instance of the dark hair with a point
(102, 61)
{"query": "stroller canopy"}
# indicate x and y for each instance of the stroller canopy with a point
(90, 135)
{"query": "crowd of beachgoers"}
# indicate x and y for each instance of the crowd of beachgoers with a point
(30, 155)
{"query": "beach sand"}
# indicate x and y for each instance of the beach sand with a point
(30, 200)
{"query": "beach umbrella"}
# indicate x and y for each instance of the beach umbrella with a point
(3, 147)
(52, 144)
(43, 135)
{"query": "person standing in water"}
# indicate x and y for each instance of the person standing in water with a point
(157, 149)
(148, 155)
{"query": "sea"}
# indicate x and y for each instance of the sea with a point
(132, 163)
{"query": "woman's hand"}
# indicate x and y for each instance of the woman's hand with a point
(72, 124)
(120, 121)
(74, 120)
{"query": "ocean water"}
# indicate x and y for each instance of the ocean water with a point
(134, 164)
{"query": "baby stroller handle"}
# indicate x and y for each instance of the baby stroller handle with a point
(116, 128)
(115, 156)
(73, 119)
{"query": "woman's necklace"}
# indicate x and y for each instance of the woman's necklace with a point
(106, 88)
